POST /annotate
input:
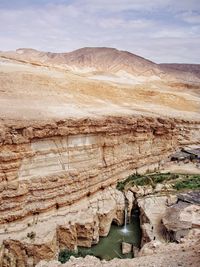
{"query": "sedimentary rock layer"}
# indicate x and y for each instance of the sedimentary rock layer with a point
(57, 165)
(49, 170)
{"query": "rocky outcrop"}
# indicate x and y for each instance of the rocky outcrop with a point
(164, 217)
(66, 166)
(190, 197)
(152, 210)
(79, 225)
(180, 219)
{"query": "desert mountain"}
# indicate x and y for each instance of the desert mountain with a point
(192, 68)
(103, 60)
(93, 82)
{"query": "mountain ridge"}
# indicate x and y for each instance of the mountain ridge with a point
(103, 59)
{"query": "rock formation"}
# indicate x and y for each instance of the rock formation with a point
(67, 135)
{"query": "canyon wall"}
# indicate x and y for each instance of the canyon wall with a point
(52, 176)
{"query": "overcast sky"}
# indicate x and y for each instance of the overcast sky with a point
(160, 30)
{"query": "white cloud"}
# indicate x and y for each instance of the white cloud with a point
(106, 23)
(122, 23)
(190, 17)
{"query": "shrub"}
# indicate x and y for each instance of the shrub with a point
(65, 254)
(192, 182)
(31, 235)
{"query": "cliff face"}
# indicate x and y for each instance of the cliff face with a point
(67, 162)
(49, 171)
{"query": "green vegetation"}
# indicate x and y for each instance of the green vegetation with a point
(64, 255)
(180, 181)
(189, 182)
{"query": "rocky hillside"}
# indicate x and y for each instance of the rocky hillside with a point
(192, 68)
(106, 60)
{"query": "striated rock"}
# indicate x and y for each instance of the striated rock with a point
(190, 197)
(16, 253)
(79, 225)
(67, 237)
(152, 210)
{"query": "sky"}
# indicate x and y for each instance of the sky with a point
(159, 30)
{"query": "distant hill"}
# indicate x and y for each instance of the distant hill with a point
(107, 60)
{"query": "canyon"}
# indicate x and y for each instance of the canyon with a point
(73, 125)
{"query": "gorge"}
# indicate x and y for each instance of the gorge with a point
(71, 127)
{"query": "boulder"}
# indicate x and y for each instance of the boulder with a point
(180, 219)
(159, 187)
(152, 210)
(126, 248)
(150, 248)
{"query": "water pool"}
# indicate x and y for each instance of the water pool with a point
(109, 247)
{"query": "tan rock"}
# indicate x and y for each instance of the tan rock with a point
(67, 237)
(171, 200)
(126, 248)
(152, 210)
(180, 219)
(135, 251)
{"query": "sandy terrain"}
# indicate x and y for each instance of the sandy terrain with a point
(29, 91)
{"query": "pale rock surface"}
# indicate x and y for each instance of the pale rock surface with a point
(180, 219)
(152, 210)
(126, 248)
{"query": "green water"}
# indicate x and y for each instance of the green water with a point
(110, 247)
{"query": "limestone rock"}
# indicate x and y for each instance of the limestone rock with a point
(59, 155)
(67, 237)
(180, 219)
(159, 187)
(126, 248)
(152, 210)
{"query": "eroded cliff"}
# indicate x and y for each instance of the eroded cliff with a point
(69, 133)
(52, 174)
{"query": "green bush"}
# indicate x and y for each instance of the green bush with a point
(188, 182)
(65, 254)
(185, 181)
